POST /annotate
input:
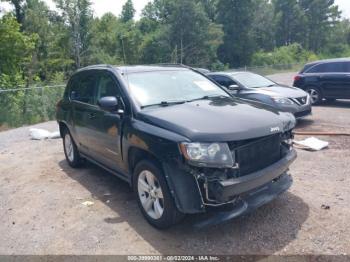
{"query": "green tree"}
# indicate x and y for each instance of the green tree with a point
(236, 18)
(77, 14)
(184, 32)
(16, 52)
(290, 22)
(19, 6)
(16, 48)
(41, 20)
(104, 44)
(338, 40)
(210, 8)
(263, 25)
(128, 11)
(321, 17)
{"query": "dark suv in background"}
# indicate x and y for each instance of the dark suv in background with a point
(180, 140)
(325, 79)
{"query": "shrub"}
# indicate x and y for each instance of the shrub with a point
(284, 55)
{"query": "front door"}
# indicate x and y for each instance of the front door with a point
(107, 124)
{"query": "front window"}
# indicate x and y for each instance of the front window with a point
(250, 80)
(157, 87)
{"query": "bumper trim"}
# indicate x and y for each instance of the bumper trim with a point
(237, 186)
(248, 202)
(302, 114)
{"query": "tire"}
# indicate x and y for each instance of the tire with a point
(315, 95)
(153, 196)
(70, 150)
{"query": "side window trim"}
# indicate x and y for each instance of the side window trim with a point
(311, 68)
(343, 65)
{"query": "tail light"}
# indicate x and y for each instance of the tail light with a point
(297, 78)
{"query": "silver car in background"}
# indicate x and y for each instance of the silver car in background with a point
(255, 87)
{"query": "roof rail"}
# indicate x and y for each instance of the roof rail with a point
(94, 66)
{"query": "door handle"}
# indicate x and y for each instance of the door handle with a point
(92, 115)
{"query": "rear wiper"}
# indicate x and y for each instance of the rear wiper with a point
(165, 103)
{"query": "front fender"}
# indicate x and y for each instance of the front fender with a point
(162, 145)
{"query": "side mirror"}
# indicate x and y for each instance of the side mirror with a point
(108, 103)
(74, 95)
(234, 88)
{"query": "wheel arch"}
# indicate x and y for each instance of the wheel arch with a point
(62, 127)
(136, 154)
(318, 87)
(182, 185)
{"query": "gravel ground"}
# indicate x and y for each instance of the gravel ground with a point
(41, 209)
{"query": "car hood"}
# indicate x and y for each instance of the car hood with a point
(279, 91)
(219, 119)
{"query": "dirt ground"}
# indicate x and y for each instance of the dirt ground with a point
(41, 210)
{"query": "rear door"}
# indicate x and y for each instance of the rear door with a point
(82, 96)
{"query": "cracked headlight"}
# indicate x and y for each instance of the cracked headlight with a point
(282, 100)
(208, 154)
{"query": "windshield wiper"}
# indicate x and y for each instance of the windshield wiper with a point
(165, 103)
(205, 98)
(178, 102)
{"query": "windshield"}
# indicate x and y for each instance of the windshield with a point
(251, 80)
(152, 88)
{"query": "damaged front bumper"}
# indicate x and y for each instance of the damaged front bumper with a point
(238, 196)
(225, 190)
(200, 190)
(247, 202)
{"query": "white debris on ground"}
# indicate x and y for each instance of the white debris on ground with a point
(41, 134)
(88, 203)
(312, 143)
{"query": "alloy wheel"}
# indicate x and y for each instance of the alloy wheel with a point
(68, 144)
(314, 95)
(150, 194)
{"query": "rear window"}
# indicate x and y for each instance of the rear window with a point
(334, 67)
(306, 67)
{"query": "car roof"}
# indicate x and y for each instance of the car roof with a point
(328, 61)
(137, 68)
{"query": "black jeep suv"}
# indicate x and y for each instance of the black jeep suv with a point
(181, 141)
(325, 79)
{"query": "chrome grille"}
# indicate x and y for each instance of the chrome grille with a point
(300, 100)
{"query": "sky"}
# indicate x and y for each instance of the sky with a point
(103, 6)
